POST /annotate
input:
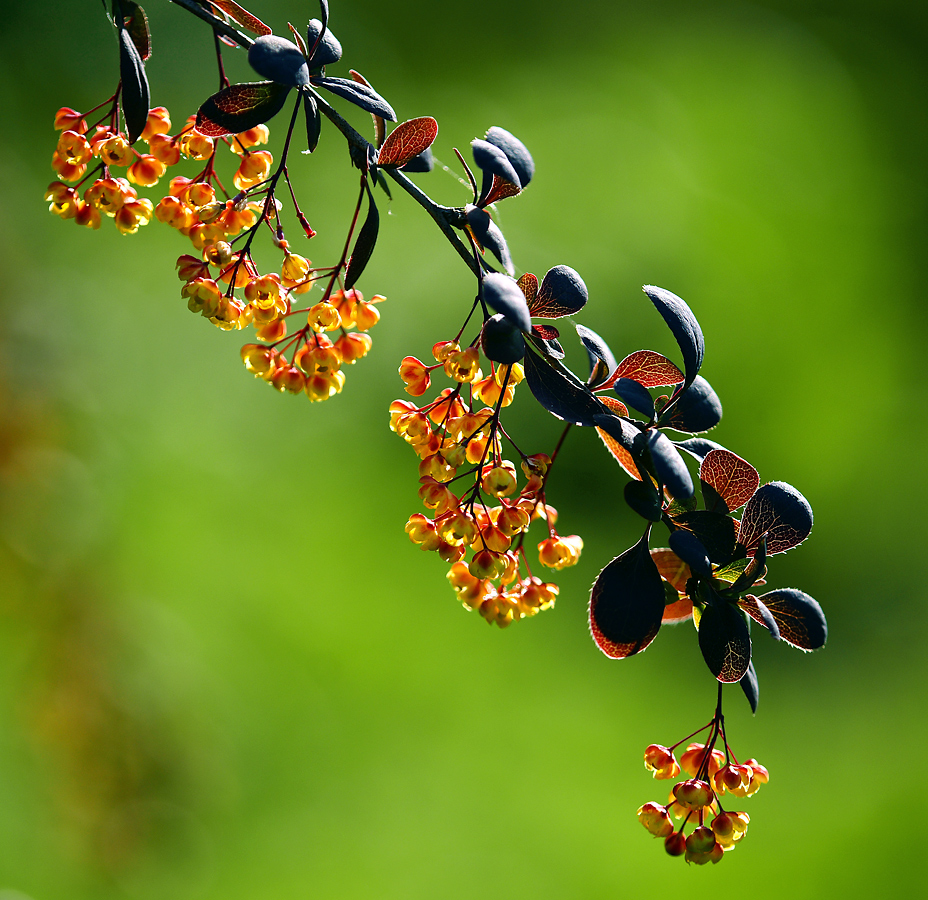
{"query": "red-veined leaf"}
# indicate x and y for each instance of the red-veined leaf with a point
(622, 456)
(407, 140)
(136, 23)
(676, 573)
(529, 284)
(733, 479)
(546, 332)
(242, 16)
(725, 641)
(778, 511)
(561, 293)
(799, 618)
(647, 368)
(239, 107)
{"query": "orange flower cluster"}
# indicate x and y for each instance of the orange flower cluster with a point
(696, 801)
(453, 433)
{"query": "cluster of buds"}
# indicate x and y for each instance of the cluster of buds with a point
(695, 800)
(481, 532)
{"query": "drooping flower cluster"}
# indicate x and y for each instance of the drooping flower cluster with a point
(697, 800)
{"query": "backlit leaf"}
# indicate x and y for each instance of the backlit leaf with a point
(614, 446)
(671, 567)
(800, 618)
(239, 107)
(546, 332)
(529, 285)
(136, 23)
(364, 245)
(649, 369)
(627, 602)
(492, 162)
(758, 611)
(733, 479)
(561, 293)
(407, 140)
(778, 510)
(242, 16)
(725, 641)
(697, 447)
(682, 323)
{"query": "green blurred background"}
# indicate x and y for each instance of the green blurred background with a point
(224, 670)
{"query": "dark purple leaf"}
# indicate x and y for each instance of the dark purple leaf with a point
(778, 511)
(800, 619)
(135, 96)
(240, 106)
(695, 410)
(494, 163)
(328, 50)
(755, 569)
(598, 351)
(698, 448)
(487, 234)
(561, 293)
(359, 94)
(424, 162)
(627, 602)
(313, 121)
(682, 323)
(669, 466)
(750, 687)
(691, 550)
(643, 499)
(634, 395)
(622, 431)
(364, 245)
(559, 391)
(715, 530)
(516, 152)
(504, 296)
(280, 60)
(501, 340)
(725, 641)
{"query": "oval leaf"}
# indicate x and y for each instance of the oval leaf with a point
(487, 234)
(643, 499)
(695, 410)
(136, 23)
(759, 613)
(615, 446)
(408, 140)
(503, 294)
(682, 323)
(598, 351)
(698, 448)
(424, 162)
(778, 511)
(725, 641)
(501, 340)
(529, 285)
(562, 293)
(358, 94)
(313, 121)
(715, 530)
(239, 107)
(676, 573)
(691, 550)
(799, 618)
(731, 479)
(627, 602)
(279, 60)
(649, 369)
(323, 52)
(635, 396)
(669, 466)
(516, 152)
